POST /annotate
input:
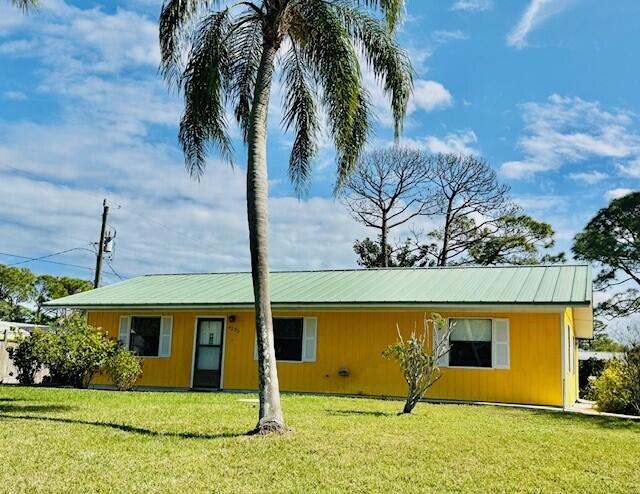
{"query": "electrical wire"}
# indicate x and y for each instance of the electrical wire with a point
(114, 271)
(30, 259)
(50, 255)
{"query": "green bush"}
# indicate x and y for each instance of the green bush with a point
(611, 390)
(29, 355)
(124, 369)
(72, 350)
(77, 351)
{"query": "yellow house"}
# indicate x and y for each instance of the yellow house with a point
(513, 329)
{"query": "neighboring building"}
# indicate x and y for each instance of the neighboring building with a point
(9, 332)
(590, 354)
(514, 338)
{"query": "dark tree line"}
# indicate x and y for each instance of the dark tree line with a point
(23, 293)
(456, 210)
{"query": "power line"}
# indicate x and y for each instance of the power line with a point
(30, 259)
(185, 235)
(114, 271)
(50, 255)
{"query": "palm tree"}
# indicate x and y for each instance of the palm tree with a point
(221, 53)
(26, 5)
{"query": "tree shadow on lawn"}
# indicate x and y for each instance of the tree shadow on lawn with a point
(566, 417)
(584, 419)
(124, 427)
(7, 408)
(371, 413)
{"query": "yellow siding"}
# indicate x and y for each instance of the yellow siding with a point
(571, 375)
(355, 340)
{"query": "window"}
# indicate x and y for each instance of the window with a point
(477, 343)
(470, 342)
(294, 339)
(146, 336)
(287, 335)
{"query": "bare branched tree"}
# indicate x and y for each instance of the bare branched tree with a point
(469, 199)
(388, 188)
(419, 357)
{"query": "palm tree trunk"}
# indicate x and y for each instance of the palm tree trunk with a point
(270, 418)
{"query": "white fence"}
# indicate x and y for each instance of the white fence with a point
(9, 333)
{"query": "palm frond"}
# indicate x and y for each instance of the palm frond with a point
(392, 10)
(327, 49)
(354, 143)
(175, 16)
(389, 62)
(26, 5)
(206, 81)
(301, 113)
(246, 47)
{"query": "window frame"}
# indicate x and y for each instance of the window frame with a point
(273, 318)
(154, 315)
(493, 364)
(303, 360)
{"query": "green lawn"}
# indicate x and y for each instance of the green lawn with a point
(102, 441)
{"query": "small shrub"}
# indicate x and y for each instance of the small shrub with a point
(124, 369)
(29, 355)
(618, 387)
(418, 364)
(77, 352)
(611, 390)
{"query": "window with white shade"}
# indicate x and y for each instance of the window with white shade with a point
(146, 336)
(478, 343)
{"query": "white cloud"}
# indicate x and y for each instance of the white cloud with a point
(617, 193)
(522, 169)
(14, 95)
(631, 169)
(429, 96)
(10, 17)
(590, 177)
(115, 138)
(563, 131)
(540, 202)
(443, 36)
(472, 5)
(453, 142)
(536, 12)
(76, 40)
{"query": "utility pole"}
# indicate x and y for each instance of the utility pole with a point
(105, 213)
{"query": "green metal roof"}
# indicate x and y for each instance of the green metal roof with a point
(512, 285)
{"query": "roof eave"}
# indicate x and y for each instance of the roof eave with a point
(328, 305)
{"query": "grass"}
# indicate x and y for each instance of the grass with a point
(102, 441)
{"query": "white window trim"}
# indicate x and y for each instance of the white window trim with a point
(160, 316)
(302, 359)
(493, 366)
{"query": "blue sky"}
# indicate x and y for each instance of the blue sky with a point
(546, 90)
